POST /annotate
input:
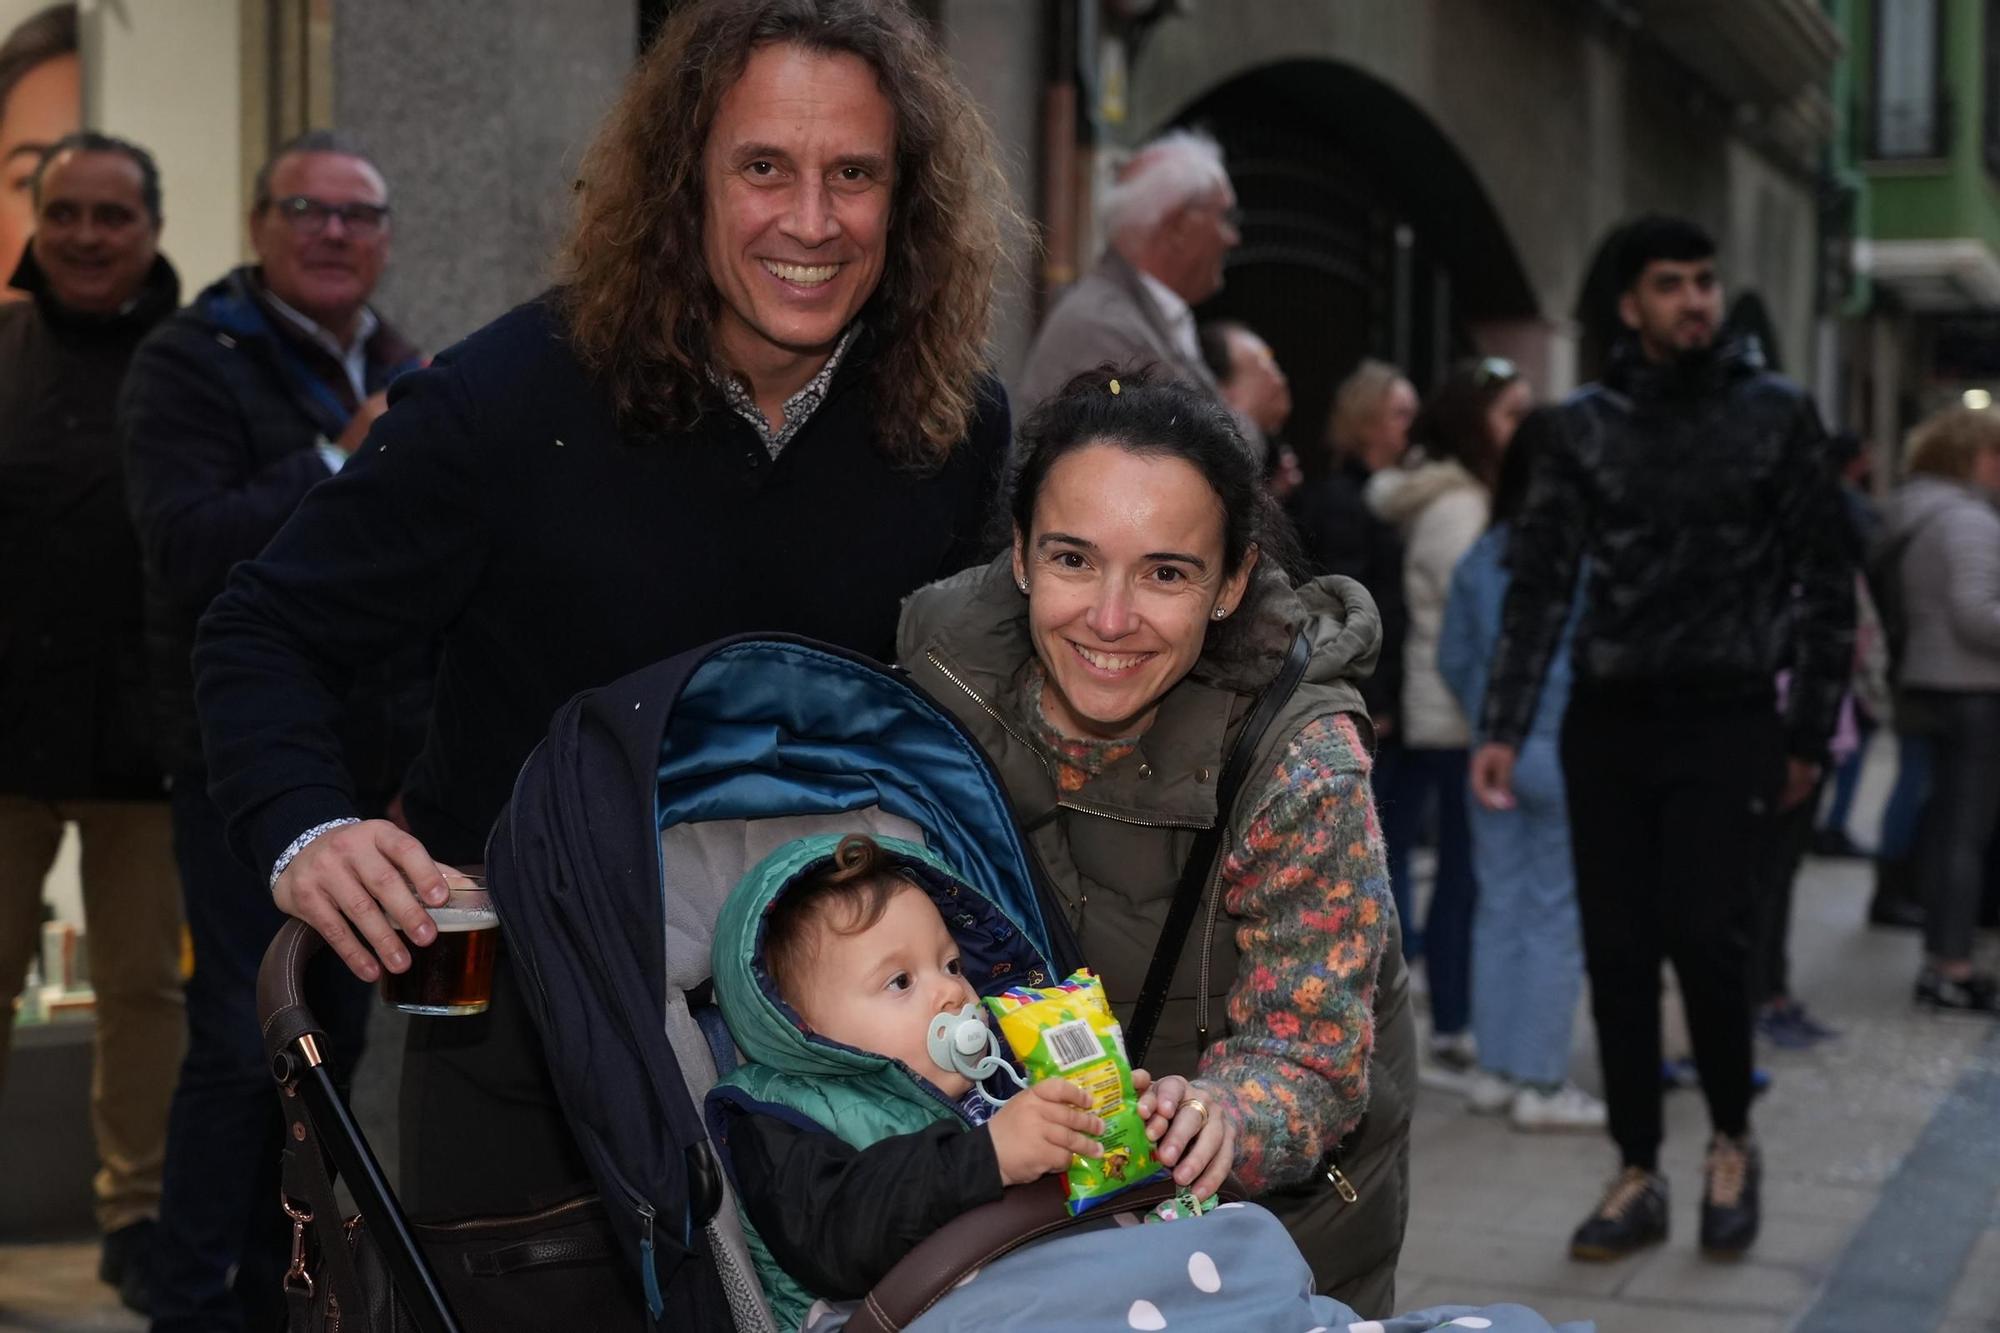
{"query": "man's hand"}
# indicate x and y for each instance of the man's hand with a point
(1196, 1140)
(1041, 1128)
(373, 406)
(359, 883)
(1492, 777)
(1801, 776)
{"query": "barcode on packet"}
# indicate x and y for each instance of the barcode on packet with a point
(1074, 1043)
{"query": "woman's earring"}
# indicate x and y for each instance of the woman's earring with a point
(1022, 584)
(1221, 613)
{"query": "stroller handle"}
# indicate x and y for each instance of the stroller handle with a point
(319, 1121)
(282, 1013)
(1022, 1215)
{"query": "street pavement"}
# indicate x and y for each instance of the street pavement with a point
(1882, 1179)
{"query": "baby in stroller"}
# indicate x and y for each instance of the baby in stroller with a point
(847, 1140)
(766, 752)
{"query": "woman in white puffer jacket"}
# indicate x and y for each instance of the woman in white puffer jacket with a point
(1439, 501)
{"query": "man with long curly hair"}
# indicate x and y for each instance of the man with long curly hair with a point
(756, 401)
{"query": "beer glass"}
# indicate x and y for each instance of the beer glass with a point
(453, 975)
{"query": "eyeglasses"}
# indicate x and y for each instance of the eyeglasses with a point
(1494, 370)
(308, 216)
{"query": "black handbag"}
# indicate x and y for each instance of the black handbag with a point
(377, 1272)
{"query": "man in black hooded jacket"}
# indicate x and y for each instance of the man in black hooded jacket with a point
(1696, 484)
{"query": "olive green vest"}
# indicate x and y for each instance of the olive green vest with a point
(1114, 850)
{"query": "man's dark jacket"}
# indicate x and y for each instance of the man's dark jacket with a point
(1340, 534)
(501, 505)
(220, 415)
(1702, 494)
(74, 717)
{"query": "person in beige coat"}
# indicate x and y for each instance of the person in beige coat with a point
(1440, 501)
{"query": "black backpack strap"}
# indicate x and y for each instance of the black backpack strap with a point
(1200, 866)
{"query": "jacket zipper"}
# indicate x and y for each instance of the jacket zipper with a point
(1036, 750)
(656, 1303)
(1083, 899)
(1214, 895)
(481, 1222)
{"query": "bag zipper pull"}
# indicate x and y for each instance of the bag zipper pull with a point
(655, 1302)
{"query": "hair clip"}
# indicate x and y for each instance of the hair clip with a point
(1114, 388)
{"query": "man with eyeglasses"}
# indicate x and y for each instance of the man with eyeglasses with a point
(1171, 218)
(74, 743)
(234, 409)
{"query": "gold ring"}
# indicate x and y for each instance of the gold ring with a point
(1196, 1104)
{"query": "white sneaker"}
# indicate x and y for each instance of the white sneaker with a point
(1489, 1093)
(1567, 1108)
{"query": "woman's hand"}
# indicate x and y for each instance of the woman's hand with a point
(1041, 1128)
(1195, 1140)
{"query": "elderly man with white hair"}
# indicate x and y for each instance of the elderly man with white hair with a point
(1171, 219)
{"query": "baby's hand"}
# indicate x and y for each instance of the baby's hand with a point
(1196, 1140)
(1040, 1129)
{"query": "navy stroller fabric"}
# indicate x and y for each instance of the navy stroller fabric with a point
(742, 729)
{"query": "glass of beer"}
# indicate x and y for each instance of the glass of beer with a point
(453, 975)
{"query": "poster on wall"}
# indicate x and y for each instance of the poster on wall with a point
(41, 99)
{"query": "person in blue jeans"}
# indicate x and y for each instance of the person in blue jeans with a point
(1439, 502)
(1527, 944)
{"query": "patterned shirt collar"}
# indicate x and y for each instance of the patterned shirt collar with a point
(1077, 760)
(798, 408)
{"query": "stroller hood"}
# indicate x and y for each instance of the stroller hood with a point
(727, 739)
(994, 952)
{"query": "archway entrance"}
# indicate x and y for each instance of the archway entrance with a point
(1364, 232)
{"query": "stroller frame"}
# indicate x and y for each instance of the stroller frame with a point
(316, 1114)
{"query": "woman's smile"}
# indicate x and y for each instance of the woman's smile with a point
(1125, 567)
(1110, 665)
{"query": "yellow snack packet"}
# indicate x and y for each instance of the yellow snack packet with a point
(1067, 1031)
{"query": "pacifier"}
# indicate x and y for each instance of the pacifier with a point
(960, 1040)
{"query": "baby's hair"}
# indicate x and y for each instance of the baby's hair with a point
(847, 897)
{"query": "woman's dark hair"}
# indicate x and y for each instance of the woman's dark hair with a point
(1452, 424)
(35, 41)
(1517, 470)
(1152, 418)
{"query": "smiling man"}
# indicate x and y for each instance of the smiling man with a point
(74, 744)
(234, 409)
(757, 401)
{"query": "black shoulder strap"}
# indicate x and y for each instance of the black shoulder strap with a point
(1200, 866)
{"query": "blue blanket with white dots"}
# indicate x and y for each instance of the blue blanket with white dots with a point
(1228, 1271)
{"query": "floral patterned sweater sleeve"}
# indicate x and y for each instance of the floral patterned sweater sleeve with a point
(1308, 889)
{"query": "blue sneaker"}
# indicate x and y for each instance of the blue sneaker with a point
(1787, 1025)
(1676, 1075)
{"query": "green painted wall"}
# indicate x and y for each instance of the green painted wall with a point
(1957, 196)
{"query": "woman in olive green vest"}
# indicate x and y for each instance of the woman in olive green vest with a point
(1107, 662)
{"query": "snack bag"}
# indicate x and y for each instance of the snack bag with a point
(1067, 1031)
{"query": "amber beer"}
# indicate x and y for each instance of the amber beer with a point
(454, 974)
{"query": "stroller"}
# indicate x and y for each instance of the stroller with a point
(629, 826)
